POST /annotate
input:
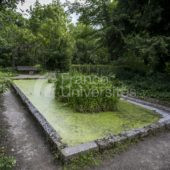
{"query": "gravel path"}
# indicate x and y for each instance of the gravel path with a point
(151, 154)
(27, 141)
(32, 152)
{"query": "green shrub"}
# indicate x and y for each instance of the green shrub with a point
(4, 81)
(86, 93)
(93, 69)
(155, 86)
(167, 69)
(130, 65)
(3, 85)
(7, 163)
(39, 67)
(50, 80)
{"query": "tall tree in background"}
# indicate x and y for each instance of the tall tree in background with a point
(87, 46)
(12, 25)
(9, 3)
(147, 31)
(131, 28)
(98, 13)
(50, 25)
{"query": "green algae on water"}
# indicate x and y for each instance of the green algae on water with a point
(76, 128)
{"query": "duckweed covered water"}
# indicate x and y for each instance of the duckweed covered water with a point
(76, 128)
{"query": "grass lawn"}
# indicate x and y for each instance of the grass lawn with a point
(76, 128)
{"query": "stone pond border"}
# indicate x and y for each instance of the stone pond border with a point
(48, 129)
(67, 153)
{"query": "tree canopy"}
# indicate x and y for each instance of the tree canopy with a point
(136, 28)
(107, 31)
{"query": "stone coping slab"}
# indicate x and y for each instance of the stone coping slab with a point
(67, 153)
(28, 77)
(70, 152)
(48, 129)
(136, 100)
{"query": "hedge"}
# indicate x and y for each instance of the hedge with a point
(94, 69)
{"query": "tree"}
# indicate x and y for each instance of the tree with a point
(87, 50)
(50, 25)
(146, 31)
(131, 26)
(99, 13)
(12, 24)
(9, 3)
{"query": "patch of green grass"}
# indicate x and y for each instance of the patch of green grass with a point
(76, 128)
(84, 161)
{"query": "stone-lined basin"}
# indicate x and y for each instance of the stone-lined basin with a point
(54, 117)
(77, 128)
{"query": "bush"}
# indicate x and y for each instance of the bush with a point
(7, 162)
(156, 86)
(93, 69)
(167, 69)
(150, 52)
(3, 85)
(86, 93)
(4, 81)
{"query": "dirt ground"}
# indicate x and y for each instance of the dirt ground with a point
(28, 145)
(151, 154)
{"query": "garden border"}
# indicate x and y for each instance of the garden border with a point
(67, 153)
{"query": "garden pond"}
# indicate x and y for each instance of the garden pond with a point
(76, 128)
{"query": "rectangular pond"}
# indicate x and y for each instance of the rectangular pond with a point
(76, 128)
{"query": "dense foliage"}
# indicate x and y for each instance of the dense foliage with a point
(43, 39)
(145, 88)
(132, 35)
(7, 163)
(87, 48)
(100, 70)
(50, 26)
(131, 28)
(86, 93)
(107, 30)
(4, 81)
(9, 3)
